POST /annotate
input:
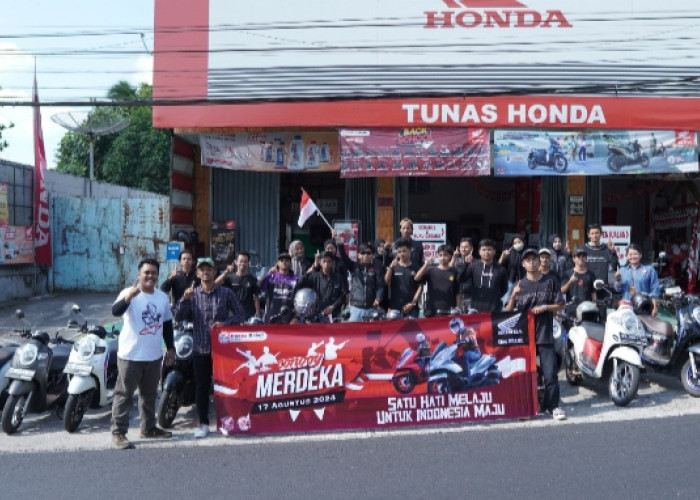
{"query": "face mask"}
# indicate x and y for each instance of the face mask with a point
(518, 246)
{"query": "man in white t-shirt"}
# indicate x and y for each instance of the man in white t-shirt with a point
(148, 323)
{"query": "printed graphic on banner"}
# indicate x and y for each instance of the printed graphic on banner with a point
(17, 245)
(417, 151)
(431, 237)
(621, 237)
(600, 152)
(349, 232)
(271, 151)
(299, 378)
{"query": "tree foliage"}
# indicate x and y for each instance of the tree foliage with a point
(138, 156)
(3, 127)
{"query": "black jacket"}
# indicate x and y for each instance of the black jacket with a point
(366, 282)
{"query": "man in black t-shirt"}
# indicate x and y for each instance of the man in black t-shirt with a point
(442, 282)
(540, 295)
(400, 278)
(244, 285)
(578, 282)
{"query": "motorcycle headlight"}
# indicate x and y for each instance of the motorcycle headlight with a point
(85, 348)
(629, 322)
(26, 354)
(184, 346)
(696, 314)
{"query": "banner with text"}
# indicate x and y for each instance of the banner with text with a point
(418, 151)
(320, 377)
(272, 151)
(593, 152)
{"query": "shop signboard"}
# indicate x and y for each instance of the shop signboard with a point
(322, 377)
(223, 242)
(414, 151)
(16, 245)
(621, 237)
(271, 151)
(349, 233)
(431, 235)
(533, 152)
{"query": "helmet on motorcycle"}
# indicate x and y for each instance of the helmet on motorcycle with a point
(42, 337)
(587, 311)
(98, 330)
(642, 304)
(420, 338)
(457, 327)
(305, 303)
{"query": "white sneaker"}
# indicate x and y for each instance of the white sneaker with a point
(201, 432)
(558, 414)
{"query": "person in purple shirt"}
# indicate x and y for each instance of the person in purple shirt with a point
(205, 306)
(279, 287)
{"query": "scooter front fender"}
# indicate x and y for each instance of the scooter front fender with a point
(628, 355)
(695, 348)
(173, 380)
(79, 384)
(21, 387)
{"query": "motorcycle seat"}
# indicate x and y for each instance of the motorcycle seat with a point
(594, 330)
(658, 326)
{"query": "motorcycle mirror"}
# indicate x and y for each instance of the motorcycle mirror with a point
(75, 308)
(598, 284)
(19, 313)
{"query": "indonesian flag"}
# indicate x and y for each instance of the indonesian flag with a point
(42, 224)
(307, 208)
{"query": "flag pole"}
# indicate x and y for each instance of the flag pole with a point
(321, 215)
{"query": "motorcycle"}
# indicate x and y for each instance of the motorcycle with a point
(461, 366)
(91, 371)
(619, 156)
(557, 159)
(178, 387)
(37, 381)
(7, 351)
(668, 351)
(596, 351)
(412, 366)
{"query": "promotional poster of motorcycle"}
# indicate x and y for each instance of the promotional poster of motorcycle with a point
(593, 152)
(322, 377)
(414, 151)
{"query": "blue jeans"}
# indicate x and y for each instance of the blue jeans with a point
(357, 312)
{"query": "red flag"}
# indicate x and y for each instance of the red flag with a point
(307, 208)
(42, 222)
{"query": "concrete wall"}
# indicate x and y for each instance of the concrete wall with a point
(65, 185)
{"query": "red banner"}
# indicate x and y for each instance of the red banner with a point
(320, 377)
(417, 151)
(42, 224)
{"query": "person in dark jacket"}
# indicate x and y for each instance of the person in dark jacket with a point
(366, 281)
(179, 281)
(300, 264)
(330, 286)
(406, 230)
(561, 257)
(484, 281)
(330, 246)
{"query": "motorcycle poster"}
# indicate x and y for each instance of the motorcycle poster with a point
(594, 152)
(414, 151)
(373, 375)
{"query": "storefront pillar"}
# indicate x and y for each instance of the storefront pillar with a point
(575, 220)
(385, 208)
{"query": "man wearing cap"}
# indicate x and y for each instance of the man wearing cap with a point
(578, 282)
(279, 286)
(540, 295)
(206, 305)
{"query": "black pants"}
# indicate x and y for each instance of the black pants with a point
(202, 382)
(548, 363)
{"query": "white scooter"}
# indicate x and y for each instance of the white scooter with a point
(596, 351)
(91, 370)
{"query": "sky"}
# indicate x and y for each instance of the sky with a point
(44, 32)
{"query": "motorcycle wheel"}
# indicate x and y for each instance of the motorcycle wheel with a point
(531, 163)
(614, 163)
(624, 383)
(645, 161)
(75, 409)
(560, 163)
(168, 406)
(690, 384)
(570, 369)
(13, 413)
(404, 383)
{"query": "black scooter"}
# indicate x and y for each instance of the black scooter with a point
(37, 381)
(557, 159)
(178, 378)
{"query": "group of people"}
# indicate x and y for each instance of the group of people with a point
(391, 276)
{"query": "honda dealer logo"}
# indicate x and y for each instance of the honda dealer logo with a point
(493, 14)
